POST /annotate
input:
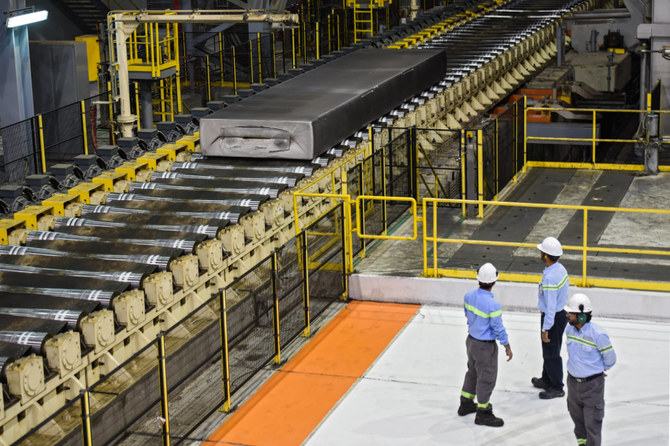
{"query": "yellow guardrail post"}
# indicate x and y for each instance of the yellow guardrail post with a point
(42, 151)
(87, 438)
(293, 61)
(162, 379)
(424, 231)
(225, 364)
(585, 245)
(209, 84)
(463, 173)
(275, 313)
(251, 62)
(305, 284)
(525, 133)
(260, 58)
(434, 238)
(111, 112)
(480, 172)
(137, 103)
(515, 131)
(83, 126)
(178, 67)
(339, 45)
(593, 144)
(497, 164)
(318, 50)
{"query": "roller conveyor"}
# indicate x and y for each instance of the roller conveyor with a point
(238, 164)
(464, 59)
(133, 273)
(195, 195)
(211, 230)
(36, 303)
(103, 291)
(186, 209)
(113, 251)
(71, 318)
(257, 176)
(189, 242)
(216, 185)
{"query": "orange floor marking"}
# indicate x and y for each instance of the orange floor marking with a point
(288, 407)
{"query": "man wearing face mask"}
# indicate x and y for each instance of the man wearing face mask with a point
(552, 297)
(590, 353)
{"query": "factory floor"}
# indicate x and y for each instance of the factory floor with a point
(390, 374)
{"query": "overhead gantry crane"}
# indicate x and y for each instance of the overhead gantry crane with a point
(121, 25)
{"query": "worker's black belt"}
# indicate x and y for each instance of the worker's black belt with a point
(482, 340)
(588, 378)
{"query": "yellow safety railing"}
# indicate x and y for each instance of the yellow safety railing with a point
(593, 140)
(431, 267)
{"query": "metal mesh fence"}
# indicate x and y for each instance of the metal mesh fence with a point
(20, 151)
(63, 134)
(324, 239)
(250, 306)
(502, 151)
(189, 377)
(127, 396)
(290, 289)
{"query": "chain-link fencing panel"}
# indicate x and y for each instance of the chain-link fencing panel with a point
(127, 400)
(63, 134)
(325, 248)
(20, 151)
(439, 164)
(250, 309)
(398, 177)
(290, 289)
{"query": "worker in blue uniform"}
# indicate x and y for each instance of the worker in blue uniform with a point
(552, 297)
(485, 325)
(590, 353)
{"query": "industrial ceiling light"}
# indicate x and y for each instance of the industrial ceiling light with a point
(26, 16)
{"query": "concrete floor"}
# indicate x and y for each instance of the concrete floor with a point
(411, 394)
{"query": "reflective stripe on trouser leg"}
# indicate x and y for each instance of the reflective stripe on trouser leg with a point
(480, 379)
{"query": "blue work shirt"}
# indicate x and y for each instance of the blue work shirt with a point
(590, 351)
(484, 316)
(553, 293)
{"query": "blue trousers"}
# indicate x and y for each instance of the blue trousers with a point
(552, 369)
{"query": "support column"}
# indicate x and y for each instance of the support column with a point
(146, 105)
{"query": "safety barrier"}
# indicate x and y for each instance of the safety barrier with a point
(432, 268)
(33, 145)
(210, 354)
(579, 141)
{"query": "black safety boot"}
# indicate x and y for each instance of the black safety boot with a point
(467, 406)
(540, 383)
(552, 393)
(485, 417)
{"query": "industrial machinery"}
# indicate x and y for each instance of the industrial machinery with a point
(192, 225)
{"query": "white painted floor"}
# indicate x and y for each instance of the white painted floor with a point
(411, 394)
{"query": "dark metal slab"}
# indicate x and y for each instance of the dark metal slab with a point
(305, 116)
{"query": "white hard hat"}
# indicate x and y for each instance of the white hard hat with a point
(487, 273)
(576, 301)
(551, 246)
